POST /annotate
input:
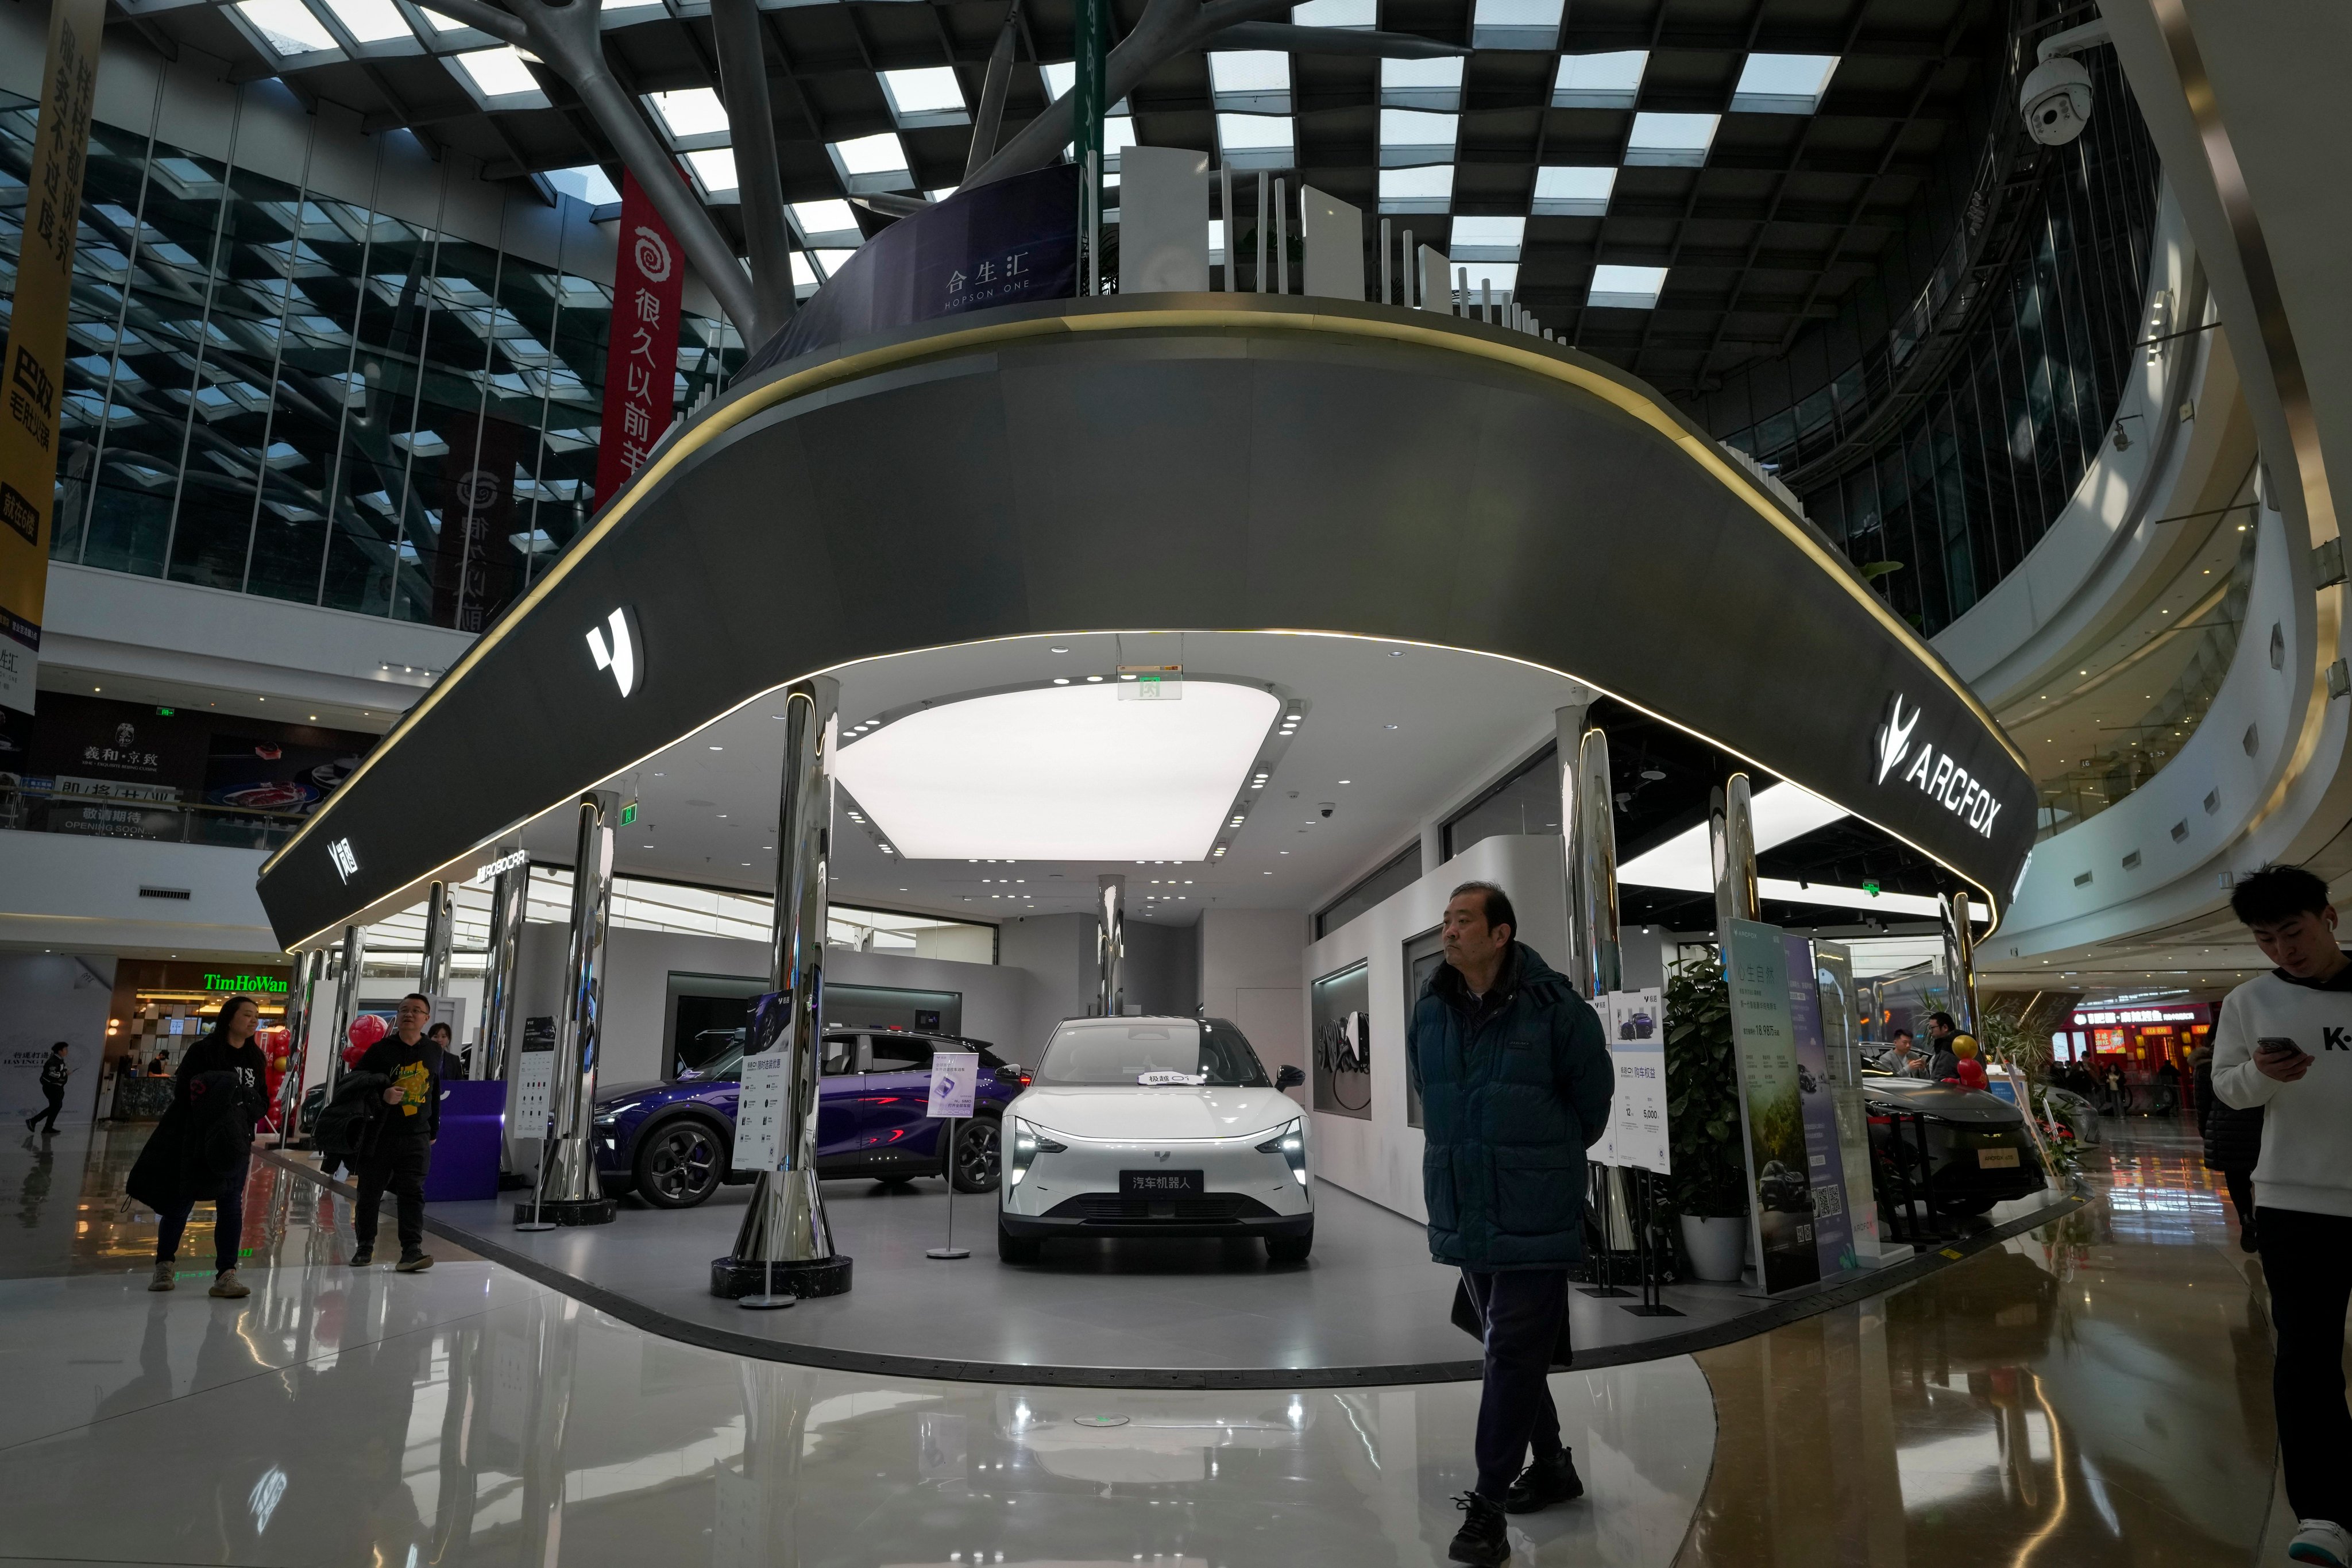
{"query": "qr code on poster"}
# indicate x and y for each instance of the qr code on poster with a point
(1829, 1200)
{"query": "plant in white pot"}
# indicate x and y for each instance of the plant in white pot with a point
(1709, 1184)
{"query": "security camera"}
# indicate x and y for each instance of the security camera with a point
(2056, 100)
(1327, 808)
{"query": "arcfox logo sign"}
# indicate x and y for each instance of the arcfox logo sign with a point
(614, 647)
(1949, 783)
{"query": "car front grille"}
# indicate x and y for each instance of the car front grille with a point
(1110, 1208)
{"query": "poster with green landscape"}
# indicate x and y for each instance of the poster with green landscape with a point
(1771, 1107)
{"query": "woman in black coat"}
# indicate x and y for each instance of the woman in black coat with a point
(2233, 1143)
(203, 1145)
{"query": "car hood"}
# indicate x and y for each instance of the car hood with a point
(1944, 1102)
(1118, 1114)
(610, 1094)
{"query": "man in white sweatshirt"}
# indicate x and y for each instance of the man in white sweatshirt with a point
(2284, 1043)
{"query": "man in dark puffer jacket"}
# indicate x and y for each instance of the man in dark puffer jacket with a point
(1514, 1079)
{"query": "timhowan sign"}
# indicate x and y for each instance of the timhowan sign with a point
(245, 985)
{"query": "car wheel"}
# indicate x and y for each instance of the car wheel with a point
(1289, 1248)
(1011, 1249)
(975, 1157)
(678, 1164)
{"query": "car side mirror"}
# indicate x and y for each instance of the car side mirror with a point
(1286, 1077)
(1009, 1073)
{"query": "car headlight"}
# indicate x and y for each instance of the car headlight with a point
(1291, 1144)
(1027, 1144)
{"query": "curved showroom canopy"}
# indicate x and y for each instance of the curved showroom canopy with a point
(1210, 462)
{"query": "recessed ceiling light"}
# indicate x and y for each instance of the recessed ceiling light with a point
(717, 748)
(1061, 650)
(1347, 781)
(1389, 726)
(1061, 681)
(1396, 653)
(1094, 680)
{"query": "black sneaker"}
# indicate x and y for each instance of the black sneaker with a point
(1544, 1483)
(1483, 1538)
(413, 1262)
(362, 1257)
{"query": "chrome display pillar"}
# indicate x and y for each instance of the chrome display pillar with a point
(1110, 945)
(1960, 961)
(347, 1003)
(568, 1192)
(510, 898)
(301, 1016)
(1731, 848)
(440, 905)
(1589, 843)
(784, 1247)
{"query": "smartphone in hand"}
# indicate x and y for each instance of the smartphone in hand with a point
(2278, 1048)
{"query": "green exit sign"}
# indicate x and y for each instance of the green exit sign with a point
(628, 814)
(165, 712)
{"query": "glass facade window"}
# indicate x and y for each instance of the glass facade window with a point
(1948, 502)
(1398, 873)
(282, 390)
(1526, 800)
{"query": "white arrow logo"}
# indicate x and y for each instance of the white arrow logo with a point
(1895, 739)
(614, 648)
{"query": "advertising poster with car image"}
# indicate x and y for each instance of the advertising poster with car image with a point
(1343, 1061)
(1842, 1024)
(1637, 1106)
(1825, 1159)
(1771, 1107)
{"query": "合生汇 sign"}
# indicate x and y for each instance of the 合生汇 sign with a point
(955, 1080)
(1951, 786)
(641, 361)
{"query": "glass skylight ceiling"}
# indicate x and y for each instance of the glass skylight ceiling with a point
(287, 25)
(371, 21)
(1782, 84)
(1671, 140)
(928, 96)
(1626, 287)
(1573, 192)
(1599, 81)
(1250, 80)
(500, 72)
(1422, 84)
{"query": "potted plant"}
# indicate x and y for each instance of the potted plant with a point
(1709, 1184)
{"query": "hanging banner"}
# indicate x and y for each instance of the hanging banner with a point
(33, 371)
(1771, 1107)
(641, 361)
(1824, 1158)
(470, 565)
(1637, 1111)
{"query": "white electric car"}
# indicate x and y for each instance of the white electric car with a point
(1153, 1127)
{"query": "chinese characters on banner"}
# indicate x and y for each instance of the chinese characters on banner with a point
(470, 562)
(1637, 1139)
(32, 376)
(641, 364)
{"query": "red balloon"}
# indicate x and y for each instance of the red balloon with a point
(366, 1030)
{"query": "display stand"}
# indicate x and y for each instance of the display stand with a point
(1601, 1184)
(537, 1191)
(1649, 1306)
(947, 1168)
(766, 1299)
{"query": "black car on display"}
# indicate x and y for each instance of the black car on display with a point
(1978, 1152)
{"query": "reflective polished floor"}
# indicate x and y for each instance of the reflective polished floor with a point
(2093, 1394)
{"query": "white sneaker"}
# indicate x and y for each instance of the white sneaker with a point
(2323, 1542)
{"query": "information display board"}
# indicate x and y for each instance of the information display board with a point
(534, 1078)
(955, 1080)
(1637, 1139)
(760, 1110)
(1771, 1107)
(1825, 1159)
(1841, 1041)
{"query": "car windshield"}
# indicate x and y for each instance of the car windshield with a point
(1174, 1052)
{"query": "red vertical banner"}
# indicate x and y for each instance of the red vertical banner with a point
(641, 364)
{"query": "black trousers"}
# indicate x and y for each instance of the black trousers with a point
(228, 1222)
(1521, 1309)
(397, 1165)
(2242, 1194)
(56, 1098)
(2307, 1257)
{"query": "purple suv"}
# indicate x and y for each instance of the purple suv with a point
(669, 1143)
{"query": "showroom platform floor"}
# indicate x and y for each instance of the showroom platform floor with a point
(1368, 1307)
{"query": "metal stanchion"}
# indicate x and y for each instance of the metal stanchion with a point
(947, 1167)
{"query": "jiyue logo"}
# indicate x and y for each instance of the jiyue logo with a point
(653, 255)
(614, 647)
(1952, 785)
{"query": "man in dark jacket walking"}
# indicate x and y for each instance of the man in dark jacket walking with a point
(1514, 1079)
(401, 1151)
(54, 1073)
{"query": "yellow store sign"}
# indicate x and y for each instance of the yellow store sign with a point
(32, 376)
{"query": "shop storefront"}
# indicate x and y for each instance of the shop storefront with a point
(161, 1008)
(2136, 1041)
